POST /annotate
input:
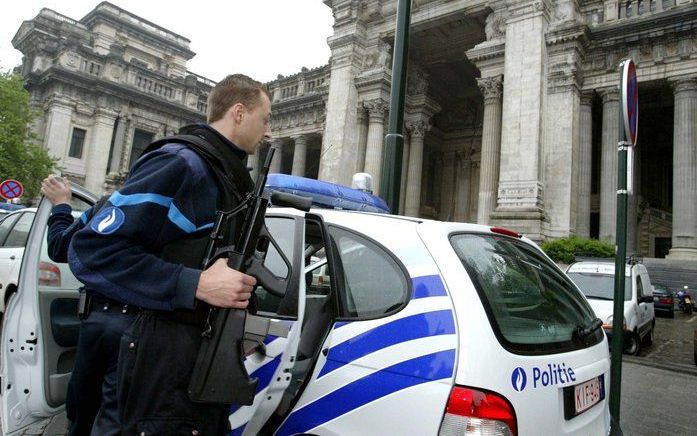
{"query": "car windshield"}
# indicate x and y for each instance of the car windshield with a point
(600, 286)
(531, 304)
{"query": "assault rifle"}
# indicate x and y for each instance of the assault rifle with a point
(219, 375)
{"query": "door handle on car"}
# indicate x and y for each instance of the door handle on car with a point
(12, 258)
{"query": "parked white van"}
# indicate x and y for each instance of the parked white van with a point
(596, 279)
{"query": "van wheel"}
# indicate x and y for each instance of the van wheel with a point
(648, 339)
(633, 344)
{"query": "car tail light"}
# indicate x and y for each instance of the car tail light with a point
(474, 412)
(666, 300)
(507, 232)
(49, 274)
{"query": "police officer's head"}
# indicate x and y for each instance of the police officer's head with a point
(240, 108)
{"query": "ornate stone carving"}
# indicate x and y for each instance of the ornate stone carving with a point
(609, 94)
(495, 27)
(417, 82)
(377, 108)
(491, 87)
(566, 10)
(418, 128)
(587, 98)
(379, 57)
(684, 84)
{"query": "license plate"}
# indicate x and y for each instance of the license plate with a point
(583, 396)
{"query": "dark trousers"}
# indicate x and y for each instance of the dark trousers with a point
(156, 359)
(91, 403)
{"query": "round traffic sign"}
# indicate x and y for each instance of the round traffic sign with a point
(10, 189)
(630, 100)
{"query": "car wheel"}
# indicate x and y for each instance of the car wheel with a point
(633, 344)
(671, 314)
(688, 309)
(648, 339)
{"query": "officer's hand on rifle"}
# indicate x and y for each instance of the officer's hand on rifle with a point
(222, 286)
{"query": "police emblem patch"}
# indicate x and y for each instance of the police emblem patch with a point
(108, 221)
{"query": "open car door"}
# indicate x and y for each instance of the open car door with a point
(272, 334)
(40, 328)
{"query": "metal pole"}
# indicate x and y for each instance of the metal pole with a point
(620, 261)
(394, 140)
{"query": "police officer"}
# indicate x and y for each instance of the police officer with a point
(145, 248)
(91, 402)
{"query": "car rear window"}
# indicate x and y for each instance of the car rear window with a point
(532, 306)
(600, 286)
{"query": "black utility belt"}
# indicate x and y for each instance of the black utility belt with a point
(90, 303)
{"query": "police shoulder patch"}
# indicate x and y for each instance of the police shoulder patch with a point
(108, 220)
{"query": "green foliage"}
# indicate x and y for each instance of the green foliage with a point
(565, 250)
(21, 158)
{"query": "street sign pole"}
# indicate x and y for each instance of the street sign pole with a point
(628, 123)
(394, 140)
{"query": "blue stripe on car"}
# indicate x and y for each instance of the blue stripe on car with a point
(428, 286)
(264, 374)
(417, 326)
(370, 388)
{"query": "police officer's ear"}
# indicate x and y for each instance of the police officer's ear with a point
(237, 112)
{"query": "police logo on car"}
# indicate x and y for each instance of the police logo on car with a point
(108, 221)
(519, 379)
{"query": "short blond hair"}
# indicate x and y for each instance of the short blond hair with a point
(235, 88)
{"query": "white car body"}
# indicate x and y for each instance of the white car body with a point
(394, 373)
(11, 253)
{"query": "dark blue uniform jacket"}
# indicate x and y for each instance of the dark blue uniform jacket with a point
(61, 228)
(171, 194)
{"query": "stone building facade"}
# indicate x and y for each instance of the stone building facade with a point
(511, 113)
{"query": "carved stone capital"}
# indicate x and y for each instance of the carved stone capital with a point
(377, 108)
(418, 128)
(609, 94)
(683, 84)
(491, 87)
(587, 98)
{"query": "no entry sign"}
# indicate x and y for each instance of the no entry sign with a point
(10, 189)
(629, 88)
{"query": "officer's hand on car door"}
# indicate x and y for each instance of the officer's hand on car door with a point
(222, 286)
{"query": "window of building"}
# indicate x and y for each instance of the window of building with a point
(141, 140)
(77, 143)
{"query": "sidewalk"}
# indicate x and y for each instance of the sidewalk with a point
(657, 402)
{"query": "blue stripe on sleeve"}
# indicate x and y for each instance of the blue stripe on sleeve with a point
(173, 214)
(83, 217)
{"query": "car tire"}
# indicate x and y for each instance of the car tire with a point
(671, 314)
(688, 309)
(633, 346)
(648, 339)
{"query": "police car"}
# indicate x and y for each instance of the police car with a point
(418, 327)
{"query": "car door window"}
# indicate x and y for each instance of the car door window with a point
(282, 229)
(639, 287)
(371, 281)
(6, 225)
(20, 232)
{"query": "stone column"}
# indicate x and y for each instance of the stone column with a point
(412, 201)
(348, 53)
(462, 188)
(447, 188)
(277, 157)
(119, 142)
(608, 164)
(583, 218)
(58, 127)
(362, 122)
(98, 150)
(684, 170)
(405, 172)
(299, 155)
(376, 136)
(491, 88)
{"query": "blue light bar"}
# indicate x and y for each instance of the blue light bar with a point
(327, 195)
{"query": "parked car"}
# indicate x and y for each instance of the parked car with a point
(596, 279)
(663, 301)
(418, 327)
(14, 230)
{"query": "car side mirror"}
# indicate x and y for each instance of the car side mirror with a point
(646, 299)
